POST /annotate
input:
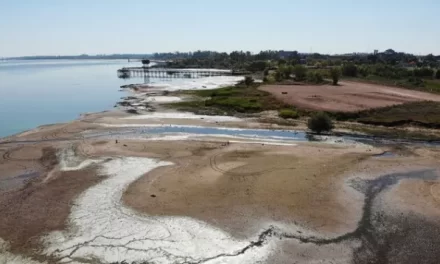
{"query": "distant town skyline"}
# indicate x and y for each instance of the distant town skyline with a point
(50, 27)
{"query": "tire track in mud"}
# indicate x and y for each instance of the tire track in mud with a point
(2, 153)
(367, 232)
(7, 156)
(241, 176)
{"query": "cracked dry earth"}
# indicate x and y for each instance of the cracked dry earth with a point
(95, 201)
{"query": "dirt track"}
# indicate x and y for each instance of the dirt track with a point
(346, 97)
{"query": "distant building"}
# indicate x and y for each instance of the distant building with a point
(286, 54)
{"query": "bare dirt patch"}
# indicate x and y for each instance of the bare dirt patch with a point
(346, 97)
(241, 186)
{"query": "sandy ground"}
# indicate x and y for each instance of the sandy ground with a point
(68, 198)
(240, 187)
(235, 196)
(347, 96)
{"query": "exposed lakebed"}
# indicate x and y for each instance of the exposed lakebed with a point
(147, 131)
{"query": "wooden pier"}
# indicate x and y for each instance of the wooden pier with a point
(166, 73)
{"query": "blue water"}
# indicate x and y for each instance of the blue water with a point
(133, 132)
(249, 133)
(42, 92)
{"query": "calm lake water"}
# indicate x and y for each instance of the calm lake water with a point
(41, 92)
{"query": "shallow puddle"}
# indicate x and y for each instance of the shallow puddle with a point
(386, 154)
(256, 134)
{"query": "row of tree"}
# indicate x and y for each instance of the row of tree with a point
(388, 71)
(251, 61)
(301, 73)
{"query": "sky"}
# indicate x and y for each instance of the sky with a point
(63, 27)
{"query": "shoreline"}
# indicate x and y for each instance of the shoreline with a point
(145, 103)
(162, 185)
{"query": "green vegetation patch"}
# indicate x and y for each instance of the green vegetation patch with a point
(248, 99)
(425, 114)
(288, 113)
(230, 100)
(433, 86)
(393, 133)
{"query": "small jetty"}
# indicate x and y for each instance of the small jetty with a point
(148, 72)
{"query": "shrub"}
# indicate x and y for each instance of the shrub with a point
(423, 73)
(349, 70)
(286, 71)
(278, 76)
(320, 122)
(300, 72)
(248, 80)
(335, 73)
(437, 74)
(363, 71)
(269, 79)
(266, 72)
(416, 81)
(256, 66)
(288, 113)
(314, 77)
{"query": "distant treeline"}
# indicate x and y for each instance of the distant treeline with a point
(257, 61)
(86, 57)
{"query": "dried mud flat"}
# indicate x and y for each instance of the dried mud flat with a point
(346, 97)
(98, 201)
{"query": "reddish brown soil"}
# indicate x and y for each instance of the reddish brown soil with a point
(346, 97)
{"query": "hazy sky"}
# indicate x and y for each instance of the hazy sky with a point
(63, 27)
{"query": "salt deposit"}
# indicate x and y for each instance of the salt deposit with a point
(101, 227)
(68, 161)
(169, 115)
(193, 84)
(162, 99)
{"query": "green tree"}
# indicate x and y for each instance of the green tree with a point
(349, 69)
(363, 71)
(300, 72)
(282, 61)
(320, 122)
(257, 66)
(335, 73)
(285, 71)
(314, 77)
(278, 76)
